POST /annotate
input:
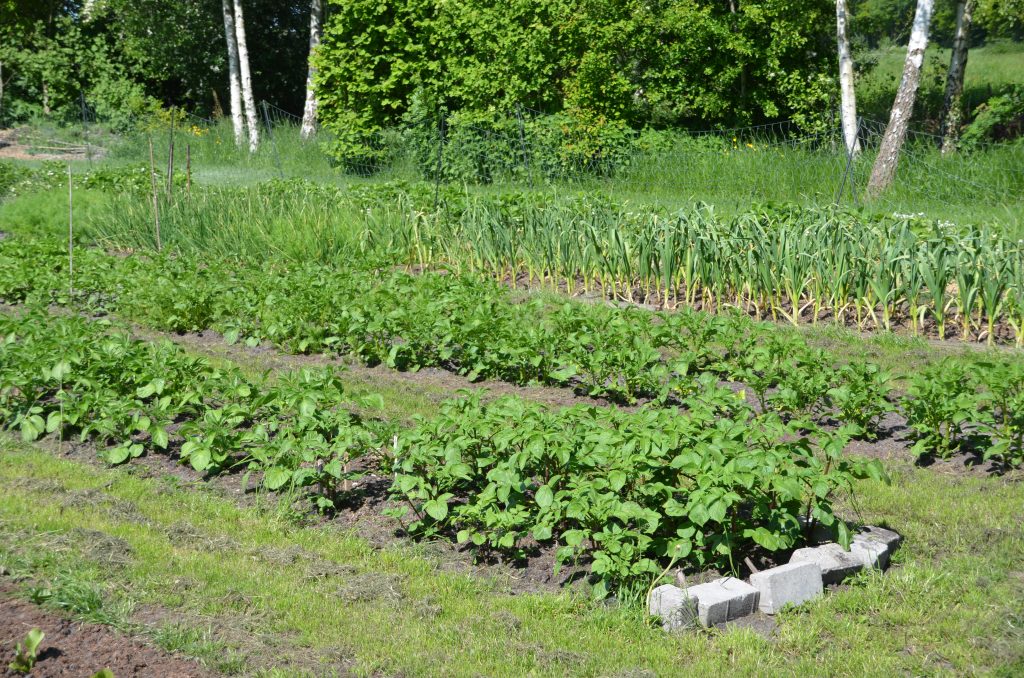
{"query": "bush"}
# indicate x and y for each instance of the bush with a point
(997, 119)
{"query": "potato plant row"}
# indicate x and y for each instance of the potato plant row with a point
(472, 327)
(72, 378)
(624, 493)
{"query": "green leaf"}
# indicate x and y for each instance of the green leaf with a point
(116, 455)
(544, 496)
(542, 532)
(160, 438)
(699, 514)
(200, 459)
(436, 509)
(277, 477)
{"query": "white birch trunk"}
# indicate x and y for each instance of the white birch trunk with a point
(896, 131)
(251, 121)
(952, 113)
(316, 24)
(848, 107)
(234, 76)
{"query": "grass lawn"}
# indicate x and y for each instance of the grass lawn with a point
(248, 588)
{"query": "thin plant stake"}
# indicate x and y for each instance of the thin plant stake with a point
(156, 208)
(170, 158)
(188, 170)
(71, 236)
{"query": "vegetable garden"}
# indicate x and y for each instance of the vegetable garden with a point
(710, 434)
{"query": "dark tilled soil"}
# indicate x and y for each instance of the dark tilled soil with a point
(76, 649)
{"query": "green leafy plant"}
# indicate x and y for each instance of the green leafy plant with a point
(938, 404)
(27, 652)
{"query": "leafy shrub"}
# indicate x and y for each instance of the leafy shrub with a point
(1000, 117)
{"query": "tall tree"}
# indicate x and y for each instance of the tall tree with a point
(316, 26)
(952, 106)
(899, 119)
(247, 98)
(234, 74)
(848, 106)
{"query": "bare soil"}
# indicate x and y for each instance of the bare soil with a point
(76, 649)
(20, 144)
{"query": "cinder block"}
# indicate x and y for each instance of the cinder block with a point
(675, 608)
(792, 584)
(891, 539)
(723, 600)
(836, 564)
(874, 546)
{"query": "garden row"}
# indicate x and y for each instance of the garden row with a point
(784, 263)
(622, 492)
(799, 265)
(473, 327)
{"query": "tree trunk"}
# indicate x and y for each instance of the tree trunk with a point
(848, 107)
(46, 99)
(952, 111)
(243, 62)
(234, 76)
(896, 131)
(316, 24)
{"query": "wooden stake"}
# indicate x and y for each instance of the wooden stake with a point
(170, 158)
(71, 236)
(156, 208)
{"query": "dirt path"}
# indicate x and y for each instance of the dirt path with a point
(21, 144)
(77, 649)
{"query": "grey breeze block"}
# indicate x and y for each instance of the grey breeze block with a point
(836, 564)
(676, 609)
(723, 600)
(792, 584)
(874, 546)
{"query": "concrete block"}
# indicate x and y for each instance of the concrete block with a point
(880, 535)
(723, 600)
(675, 608)
(792, 584)
(874, 545)
(836, 564)
(871, 554)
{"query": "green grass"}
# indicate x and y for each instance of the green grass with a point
(953, 604)
(991, 70)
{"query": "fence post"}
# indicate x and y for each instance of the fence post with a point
(270, 135)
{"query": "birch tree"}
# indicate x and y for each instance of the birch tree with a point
(316, 23)
(899, 119)
(234, 76)
(243, 63)
(848, 106)
(952, 112)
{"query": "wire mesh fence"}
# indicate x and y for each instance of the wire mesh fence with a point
(522, 149)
